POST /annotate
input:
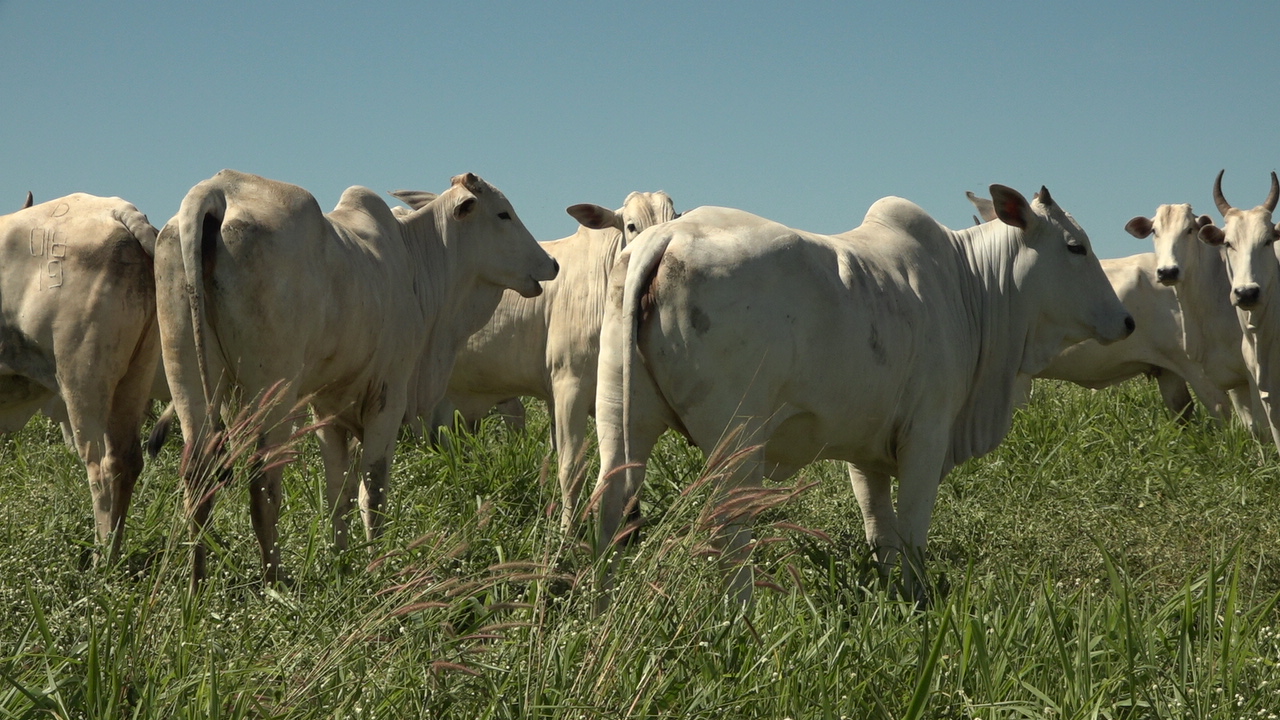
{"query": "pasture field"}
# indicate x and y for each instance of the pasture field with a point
(1103, 562)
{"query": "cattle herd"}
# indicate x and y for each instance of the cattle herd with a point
(901, 347)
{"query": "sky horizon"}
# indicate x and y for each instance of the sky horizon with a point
(802, 114)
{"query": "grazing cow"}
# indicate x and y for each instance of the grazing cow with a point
(78, 320)
(359, 311)
(1248, 241)
(1211, 333)
(547, 346)
(894, 347)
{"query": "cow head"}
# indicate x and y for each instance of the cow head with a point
(640, 211)
(1247, 238)
(490, 236)
(1074, 299)
(1177, 230)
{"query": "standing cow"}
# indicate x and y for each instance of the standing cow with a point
(358, 311)
(1211, 335)
(1248, 238)
(1154, 349)
(894, 347)
(78, 322)
(547, 346)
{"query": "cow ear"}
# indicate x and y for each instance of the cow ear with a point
(594, 217)
(416, 199)
(1010, 206)
(1203, 220)
(464, 207)
(1139, 227)
(986, 210)
(1212, 234)
(29, 202)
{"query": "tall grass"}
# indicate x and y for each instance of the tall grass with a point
(1104, 562)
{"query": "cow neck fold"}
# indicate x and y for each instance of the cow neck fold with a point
(1204, 286)
(988, 257)
(453, 304)
(1259, 325)
(604, 253)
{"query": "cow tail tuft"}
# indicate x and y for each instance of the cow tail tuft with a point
(160, 431)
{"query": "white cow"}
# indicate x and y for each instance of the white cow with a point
(359, 311)
(1154, 349)
(1248, 241)
(894, 346)
(546, 347)
(1211, 334)
(78, 320)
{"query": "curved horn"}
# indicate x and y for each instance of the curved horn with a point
(1274, 195)
(1221, 202)
(31, 198)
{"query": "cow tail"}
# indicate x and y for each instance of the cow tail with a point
(139, 227)
(160, 431)
(205, 205)
(646, 256)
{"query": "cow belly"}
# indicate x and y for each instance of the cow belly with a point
(810, 394)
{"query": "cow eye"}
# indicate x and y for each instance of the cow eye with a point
(631, 227)
(1077, 248)
(504, 215)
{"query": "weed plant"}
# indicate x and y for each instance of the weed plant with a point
(1104, 562)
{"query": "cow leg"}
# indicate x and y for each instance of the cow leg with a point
(1021, 391)
(265, 497)
(86, 411)
(1177, 397)
(570, 412)
(875, 496)
(202, 476)
(340, 481)
(512, 412)
(921, 467)
(122, 460)
(57, 411)
(375, 467)
(90, 444)
(1247, 407)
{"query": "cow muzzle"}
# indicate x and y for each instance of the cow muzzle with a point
(1168, 274)
(1246, 296)
(1113, 331)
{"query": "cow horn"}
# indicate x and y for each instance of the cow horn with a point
(1274, 196)
(31, 199)
(1223, 206)
(468, 181)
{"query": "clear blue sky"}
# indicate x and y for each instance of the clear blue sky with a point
(802, 112)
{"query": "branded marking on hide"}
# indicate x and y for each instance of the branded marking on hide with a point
(44, 243)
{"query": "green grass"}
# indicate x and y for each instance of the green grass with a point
(1102, 563)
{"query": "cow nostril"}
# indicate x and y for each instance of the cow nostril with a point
(1247, 295)
(1129, 324)
(1167, 274)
